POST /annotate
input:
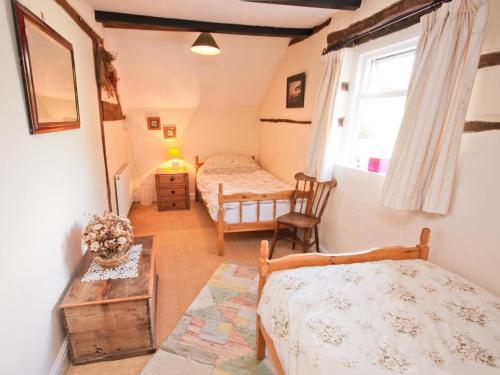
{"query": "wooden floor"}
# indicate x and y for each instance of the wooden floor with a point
(186, 256)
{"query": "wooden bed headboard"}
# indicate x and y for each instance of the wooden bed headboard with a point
(198, 163)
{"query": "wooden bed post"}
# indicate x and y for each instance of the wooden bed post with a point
(263, 268)
(424, 243)
(220, 221)
(267, 266)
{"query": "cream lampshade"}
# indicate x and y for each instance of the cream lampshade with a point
(174, 155)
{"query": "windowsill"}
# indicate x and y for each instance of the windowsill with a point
(347, 166)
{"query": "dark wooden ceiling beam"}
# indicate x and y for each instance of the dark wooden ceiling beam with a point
(315, 29)
(489, 59)
(328, 4)
(480, 126)
(140, 22)
(395, 17)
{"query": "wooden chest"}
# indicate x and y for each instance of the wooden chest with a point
(112, 319)
(172, 189)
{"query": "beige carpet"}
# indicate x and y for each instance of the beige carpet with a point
(186, 256)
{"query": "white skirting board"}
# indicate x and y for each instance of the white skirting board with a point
(62, 362)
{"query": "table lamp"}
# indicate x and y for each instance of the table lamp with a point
(174, 155)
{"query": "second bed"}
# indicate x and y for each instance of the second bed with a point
(239, 195)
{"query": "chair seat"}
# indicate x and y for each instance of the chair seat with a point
(298, 220)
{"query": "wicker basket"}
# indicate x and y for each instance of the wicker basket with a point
(112, 262)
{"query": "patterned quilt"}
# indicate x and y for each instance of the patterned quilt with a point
(258, 181)
(387, 317)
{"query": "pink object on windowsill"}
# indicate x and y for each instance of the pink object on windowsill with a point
(378, 165)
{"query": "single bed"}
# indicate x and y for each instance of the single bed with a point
(239, 195)
(384, 311)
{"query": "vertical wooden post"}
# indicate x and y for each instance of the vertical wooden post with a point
(263, 268)
(196, 193)
(101, 117)
(424, 243)
(96, 41)
(220, 221)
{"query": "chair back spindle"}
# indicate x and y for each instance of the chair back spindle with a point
(313, 195)
(313, 198)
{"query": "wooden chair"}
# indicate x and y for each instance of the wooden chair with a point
(312, 198)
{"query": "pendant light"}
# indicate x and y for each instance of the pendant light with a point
(205, 45)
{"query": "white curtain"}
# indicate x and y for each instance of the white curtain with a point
(422, 169)
(319, 161)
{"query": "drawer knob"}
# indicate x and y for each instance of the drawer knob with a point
(173, 204)
(173, 191)
(171, 178)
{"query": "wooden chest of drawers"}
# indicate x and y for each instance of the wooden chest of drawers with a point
(172, 189)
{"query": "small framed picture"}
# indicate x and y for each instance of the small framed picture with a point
(295, 90)
(154, 123)
(169, 132)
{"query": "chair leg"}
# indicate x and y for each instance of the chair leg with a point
(275, 238)
(305, 245)
(316, 235)
(294, 236)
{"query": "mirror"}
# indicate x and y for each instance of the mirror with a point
(48, 71)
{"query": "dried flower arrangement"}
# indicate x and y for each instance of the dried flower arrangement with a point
(108, 76)
(108, 237)
(108, 81)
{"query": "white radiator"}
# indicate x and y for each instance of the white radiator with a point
(123, 190)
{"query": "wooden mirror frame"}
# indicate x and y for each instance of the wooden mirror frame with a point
(20, 14)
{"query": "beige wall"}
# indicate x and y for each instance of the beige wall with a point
(467, 241)
(117, 152)
(212, 100)
(201, 131)
(49, 183)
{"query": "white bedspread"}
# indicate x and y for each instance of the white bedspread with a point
(258, 181)
(388, 317)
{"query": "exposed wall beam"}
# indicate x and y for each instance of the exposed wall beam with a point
(285, 120)
(135, 21)
(80, 21)
(395, 17)
(480, 126)
(96, 41)
(328, 4)
(315, 30)
(489, 59)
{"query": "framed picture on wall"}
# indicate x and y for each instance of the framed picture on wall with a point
(295, 90)
(169, 132)
(154, 123)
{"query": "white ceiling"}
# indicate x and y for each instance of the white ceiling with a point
(222, 11)
(158, 70)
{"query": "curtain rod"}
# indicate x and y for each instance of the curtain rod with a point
(352, 41)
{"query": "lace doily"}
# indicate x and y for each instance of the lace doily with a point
(127, 270)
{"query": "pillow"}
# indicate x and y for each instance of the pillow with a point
(229, 163)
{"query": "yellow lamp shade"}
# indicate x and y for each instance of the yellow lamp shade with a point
(173, 153)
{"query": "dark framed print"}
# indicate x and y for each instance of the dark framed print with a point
(169, 132)
(154, 123)
(295, 90)
(48, 74)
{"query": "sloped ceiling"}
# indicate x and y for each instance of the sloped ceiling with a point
(158, 70)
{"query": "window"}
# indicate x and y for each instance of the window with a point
(377, 105)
